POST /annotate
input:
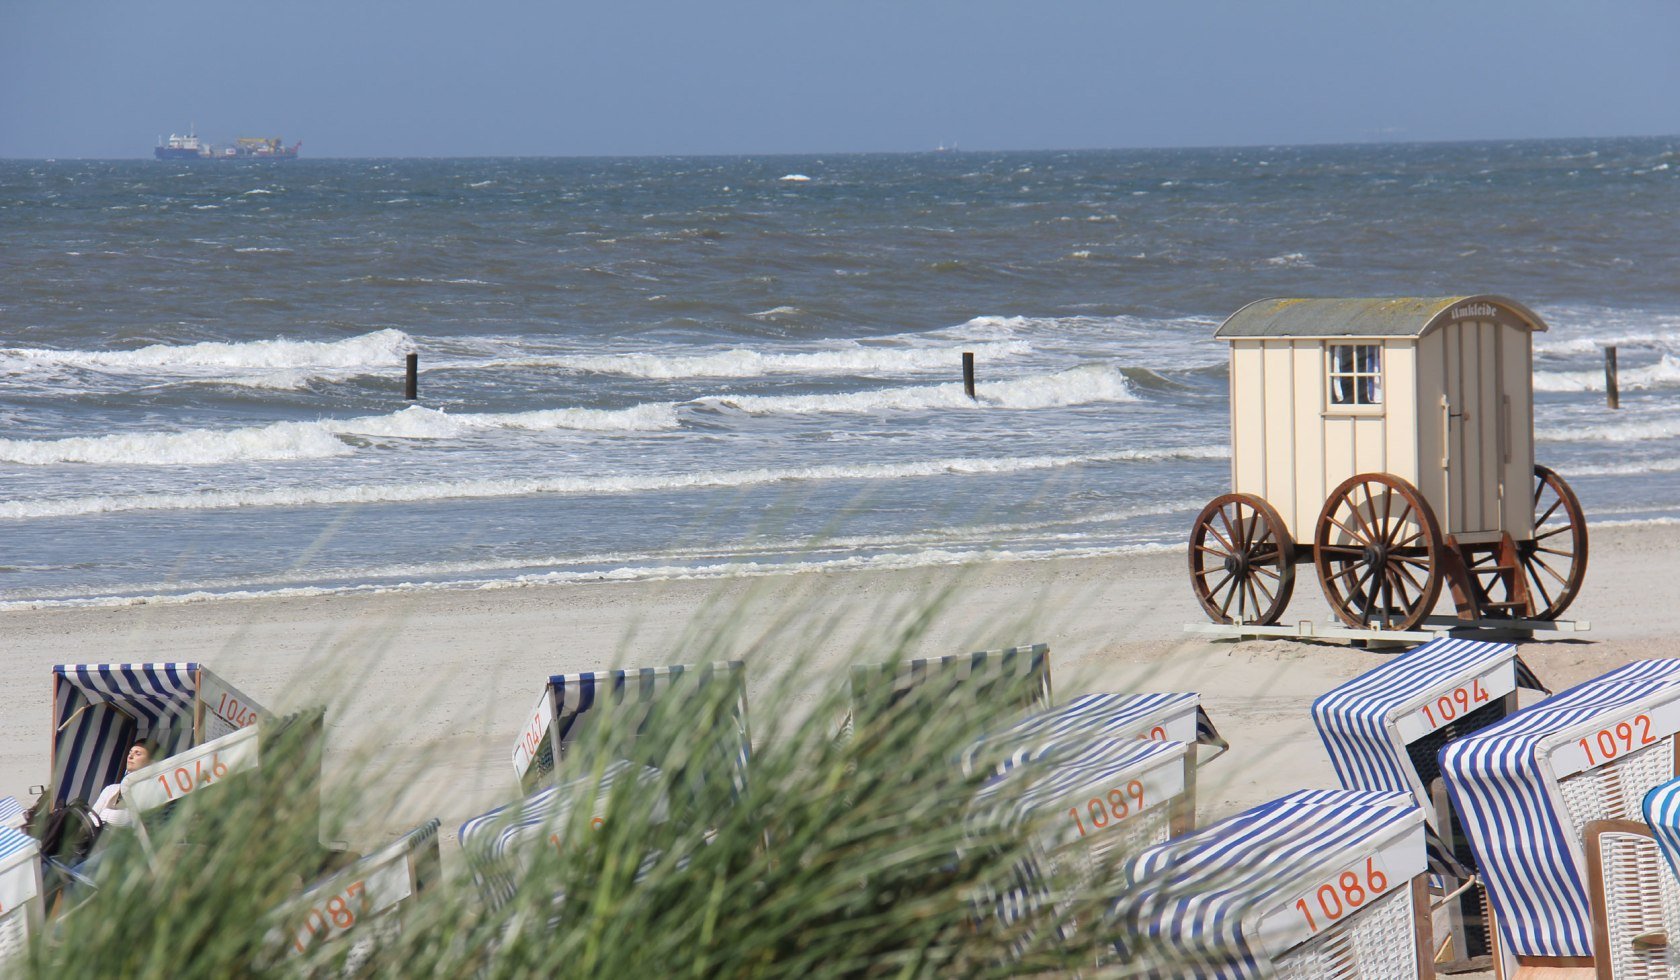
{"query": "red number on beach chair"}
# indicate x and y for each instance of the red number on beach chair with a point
(1116, 806)
(1347, 892)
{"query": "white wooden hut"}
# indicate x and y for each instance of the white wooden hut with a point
(1438, 392)
(1429, 403)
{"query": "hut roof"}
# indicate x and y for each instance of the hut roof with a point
(1409, 316)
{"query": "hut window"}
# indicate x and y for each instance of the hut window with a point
(1355, 374)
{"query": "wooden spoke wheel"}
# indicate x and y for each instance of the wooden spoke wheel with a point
(1555, 562)
(1242, 561)
(1378, 551)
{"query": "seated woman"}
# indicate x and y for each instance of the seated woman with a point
(108, 806)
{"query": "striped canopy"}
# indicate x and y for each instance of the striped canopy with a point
(11, 812)
(1221, 901)
(500, 845)
(99, 710)
(571, 704)
(1662, 812)
(1093, 717)
(1524, 816)
(1015, 677)
(1025, 788)
(1368, 723)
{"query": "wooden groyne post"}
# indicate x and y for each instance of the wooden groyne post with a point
(968, 374)
(1612, 393)
(411, 388)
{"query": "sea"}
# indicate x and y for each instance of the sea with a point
(698, 367)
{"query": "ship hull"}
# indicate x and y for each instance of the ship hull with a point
(174, 153)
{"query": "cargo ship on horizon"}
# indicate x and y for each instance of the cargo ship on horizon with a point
(190, 147)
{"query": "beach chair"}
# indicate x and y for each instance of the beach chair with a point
(1082, 809)
(11, 813)
(1384, 730)
(100, 710)
(1328, 885)
(1093, 718)
(1526, 789)
(500, 845)
(367, 892)
(21, 895)
(153, 793)
(572, 705)
(1012, 681)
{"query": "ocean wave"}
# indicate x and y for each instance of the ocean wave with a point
(381, 348)
(600, 484)
(1640, 468)
(1629, 431)
(741, 363)
(319, 439)
(1078, 386)
(1665, 373)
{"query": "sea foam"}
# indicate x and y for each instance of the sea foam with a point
(381, 348)
(595, 484)
(742, 363)
(1079, 386)
(319, 439)
(1665, 373)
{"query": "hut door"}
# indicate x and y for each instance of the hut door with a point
(1472, 417)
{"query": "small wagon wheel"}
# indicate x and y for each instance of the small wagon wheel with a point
(1554, 562)
(1378, 550)
(1242, 561)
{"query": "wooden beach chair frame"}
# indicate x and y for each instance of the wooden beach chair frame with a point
(1635, 902)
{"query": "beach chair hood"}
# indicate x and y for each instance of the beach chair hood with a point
(1221, 901)
(1367, 723)
(1159, 717)
(570, 703)
(500, 845)
(99, 710)
(1503, 782)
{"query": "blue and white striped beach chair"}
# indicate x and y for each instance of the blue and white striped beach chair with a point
(1526, 789)
(1093, 719)
(1327, 885)
(572, 705)
(100, 710)
(1012, 681)
(21, 894)
(1385, 728)
(366, 892)
(1082, 809)
(500, 845)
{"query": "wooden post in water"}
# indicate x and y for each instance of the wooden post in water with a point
(1612, 395)
(411, 390)
(968, 374)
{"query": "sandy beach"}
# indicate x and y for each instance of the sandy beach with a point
(437, 682)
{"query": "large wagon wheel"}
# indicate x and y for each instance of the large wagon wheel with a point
(1378, 550)
(1242, 561)
(1554, 562)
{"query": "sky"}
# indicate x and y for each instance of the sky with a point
(98, 78)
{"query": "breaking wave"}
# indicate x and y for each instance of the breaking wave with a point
(381, 348)
(741, 363)
(320, 439)
(1631, 431)
(1078, 386)
(1665, 373)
